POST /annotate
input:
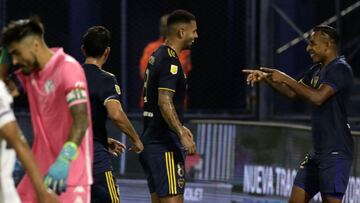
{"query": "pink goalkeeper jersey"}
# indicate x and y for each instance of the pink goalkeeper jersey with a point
(51, 118)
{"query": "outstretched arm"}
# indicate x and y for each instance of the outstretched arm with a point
(255, 76)
(315, 96)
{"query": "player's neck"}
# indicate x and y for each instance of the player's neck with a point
(329, 59)
(44, 57)
(94, 61)
(177, 47)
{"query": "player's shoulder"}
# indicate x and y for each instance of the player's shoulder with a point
(340, 65)
(106, 74)
(165, 52)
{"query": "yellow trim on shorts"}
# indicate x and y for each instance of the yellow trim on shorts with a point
(167, 89)
(111, 187)
(170, 171)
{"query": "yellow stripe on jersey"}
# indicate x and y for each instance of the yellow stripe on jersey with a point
(302, 82)
(173, 171)
(167, 158)
(170, 52)
(117, 200)
(111, 187)
(167, 89)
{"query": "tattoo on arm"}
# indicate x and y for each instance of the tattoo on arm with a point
(168, 111)
(80, 122)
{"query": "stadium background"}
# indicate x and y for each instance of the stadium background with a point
(244, 135)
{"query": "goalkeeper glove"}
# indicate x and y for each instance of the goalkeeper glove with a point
(59, 171)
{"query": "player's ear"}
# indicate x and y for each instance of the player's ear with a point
(106, 52)
(181, 32)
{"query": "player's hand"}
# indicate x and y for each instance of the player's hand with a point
(189, 133)
(57, 175)
(137, 147)
(186, 139)
(255, 76)
(47, 196)
(275, 75)
(115, 147)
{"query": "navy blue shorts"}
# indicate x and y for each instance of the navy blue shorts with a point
(164, 169)
(104, 188)
(328, 175)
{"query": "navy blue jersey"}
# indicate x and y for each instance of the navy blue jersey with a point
(103, 87)
(163, 71)
(330, 128)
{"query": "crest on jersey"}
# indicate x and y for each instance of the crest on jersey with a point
(181, 182)
(314, 81)
(173, 69)
(117, 89)
(49, 86)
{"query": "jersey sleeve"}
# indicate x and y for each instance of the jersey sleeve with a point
(6, 113)
(170, 71)
(110, 90)
(338, 77)
(74, 82)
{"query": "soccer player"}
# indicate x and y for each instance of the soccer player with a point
(165, 138)
(184, 57)
(11, 133)
(327, 87)
(105, 102)
(56, 88)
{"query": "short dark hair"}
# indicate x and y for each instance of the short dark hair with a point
(96, 40)
(18, 30)
(180, 16)
(328, 30)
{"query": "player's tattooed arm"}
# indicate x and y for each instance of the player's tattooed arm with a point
(80, 122)
(168, 111)
(170, 116)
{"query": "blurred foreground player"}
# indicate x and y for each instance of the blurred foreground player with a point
(165, 138)
(327, 87)
(57, 92)
(105, 102)
(12, 135)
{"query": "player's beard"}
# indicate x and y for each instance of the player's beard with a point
(188, 44)
(31, 66)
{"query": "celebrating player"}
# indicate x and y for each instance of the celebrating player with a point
(327, 87)
(165, 138)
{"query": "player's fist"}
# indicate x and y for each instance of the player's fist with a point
(186, 139)
(138, 146)
(57, 175)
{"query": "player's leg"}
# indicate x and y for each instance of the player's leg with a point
(306, 183)
(172, 199)
(144, 159)
(175, 183)
(154, 198)
(104, 188)
(298, 195)
(329, 199)
(334, 176)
